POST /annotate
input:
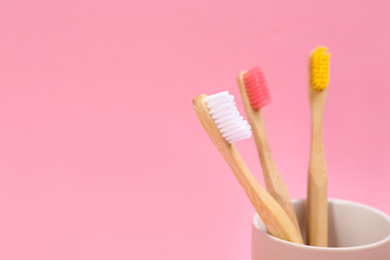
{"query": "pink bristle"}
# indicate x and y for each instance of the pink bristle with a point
(256, 88)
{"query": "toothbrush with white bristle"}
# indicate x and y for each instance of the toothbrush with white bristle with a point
(223, 123)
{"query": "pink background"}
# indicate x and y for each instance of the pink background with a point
(101, 155)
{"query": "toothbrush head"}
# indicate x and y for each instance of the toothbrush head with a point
(319, 68)
(256, 88)
(225, 115)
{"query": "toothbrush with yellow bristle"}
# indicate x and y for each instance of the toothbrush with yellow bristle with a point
(255, 96)
(317, 203)
(223, 123)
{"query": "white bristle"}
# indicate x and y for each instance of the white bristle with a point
(226, 117)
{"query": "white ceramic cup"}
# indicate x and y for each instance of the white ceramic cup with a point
(356, 232)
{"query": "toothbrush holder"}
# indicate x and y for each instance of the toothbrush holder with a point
(355, 231)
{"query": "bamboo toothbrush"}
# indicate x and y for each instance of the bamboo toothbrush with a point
(255, 95)
(317, 203)
(224, 125)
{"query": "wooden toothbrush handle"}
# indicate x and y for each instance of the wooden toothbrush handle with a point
(273, 180)
(317, 213)
(274, 217)
(317, 199)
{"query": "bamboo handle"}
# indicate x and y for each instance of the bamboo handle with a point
(317, 203)
(273, 216)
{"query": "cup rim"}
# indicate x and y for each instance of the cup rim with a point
(256, 222)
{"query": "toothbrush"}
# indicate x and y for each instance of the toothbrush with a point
(317, 204)
(224, 125)
(255, 95)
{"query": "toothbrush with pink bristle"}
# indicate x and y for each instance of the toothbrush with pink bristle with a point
(255, 96)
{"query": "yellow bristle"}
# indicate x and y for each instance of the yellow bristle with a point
(319, 68)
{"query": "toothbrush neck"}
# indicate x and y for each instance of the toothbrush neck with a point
(317, 142)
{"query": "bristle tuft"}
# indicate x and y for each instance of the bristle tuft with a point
(256, 88)
(226, 117)
(319, 68)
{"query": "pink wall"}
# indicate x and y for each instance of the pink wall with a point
(101, 155)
